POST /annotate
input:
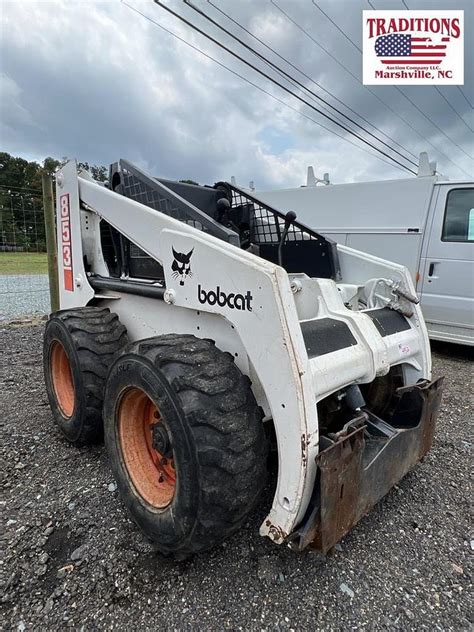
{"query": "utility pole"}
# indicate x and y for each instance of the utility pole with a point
(48, 205)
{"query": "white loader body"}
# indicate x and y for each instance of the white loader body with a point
(298, 339)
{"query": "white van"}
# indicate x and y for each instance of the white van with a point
(425, 223)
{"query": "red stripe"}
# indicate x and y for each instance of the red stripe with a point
(412, 61)
(429, 47)
(445, 39)
(68, 281)
(427, 54)
(419, 39)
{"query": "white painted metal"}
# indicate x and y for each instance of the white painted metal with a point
(312, 180)
(266, 340)
(399, 220)
(69, 239)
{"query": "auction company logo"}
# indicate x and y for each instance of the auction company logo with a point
(413, 47)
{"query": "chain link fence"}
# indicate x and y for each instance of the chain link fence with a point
(24, 286)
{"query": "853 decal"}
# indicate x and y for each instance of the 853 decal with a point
(66, 242)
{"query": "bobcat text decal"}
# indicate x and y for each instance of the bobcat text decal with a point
(66, 245)
(233, 301)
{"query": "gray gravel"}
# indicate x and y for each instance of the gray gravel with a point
(22, 294)
(74, 559)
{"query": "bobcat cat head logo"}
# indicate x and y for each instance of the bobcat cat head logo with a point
(181, 266)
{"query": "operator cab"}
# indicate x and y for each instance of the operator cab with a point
(223, 210)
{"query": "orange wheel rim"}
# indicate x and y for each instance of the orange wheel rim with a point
(61, 376)
(142, 434)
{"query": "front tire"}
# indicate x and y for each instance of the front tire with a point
(79, 346)
(186, 441)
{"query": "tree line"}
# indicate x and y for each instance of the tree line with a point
(21, 200)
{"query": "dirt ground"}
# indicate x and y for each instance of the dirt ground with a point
(72, 557)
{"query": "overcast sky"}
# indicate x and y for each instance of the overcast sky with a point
(97, 82)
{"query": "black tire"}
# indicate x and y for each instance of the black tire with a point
(216, 438)
(78, 348)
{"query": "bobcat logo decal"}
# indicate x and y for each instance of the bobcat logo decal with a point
(181, 266)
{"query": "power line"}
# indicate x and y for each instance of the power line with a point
(257, 86)
(287, 61)
(337, 26)
(453, 108)
(396, 87)
(247, 63)
(462, 92)
(289, 77)
(402, 118)
(443, 96)
(433, 123)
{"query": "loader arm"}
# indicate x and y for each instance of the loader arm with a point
(276, 355)
(313, 347)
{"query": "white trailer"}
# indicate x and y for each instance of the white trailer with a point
(425, 223)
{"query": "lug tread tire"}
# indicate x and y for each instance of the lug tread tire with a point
(97, 336)
(227, 430)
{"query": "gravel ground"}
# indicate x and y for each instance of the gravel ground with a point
(74, 559)
(23, 294)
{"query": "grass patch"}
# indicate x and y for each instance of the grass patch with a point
(23, 263)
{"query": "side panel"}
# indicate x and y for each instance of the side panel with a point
(261, 308)
(385, 206)
(146, 317)
(400, 247)
(447, 289)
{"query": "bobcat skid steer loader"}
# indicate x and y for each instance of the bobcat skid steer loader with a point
(194, 320)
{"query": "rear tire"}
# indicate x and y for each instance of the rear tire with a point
(186, 441)
(78, 348)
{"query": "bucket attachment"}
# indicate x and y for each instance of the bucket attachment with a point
(360, 464)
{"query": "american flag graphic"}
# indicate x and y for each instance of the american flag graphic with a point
(400, 49)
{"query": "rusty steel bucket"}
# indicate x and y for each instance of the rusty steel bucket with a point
(364, 461)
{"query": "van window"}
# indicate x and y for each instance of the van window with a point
(459, 216)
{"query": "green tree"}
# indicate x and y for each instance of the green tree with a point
(98, 172)
(51, 165)
(21, 212)
(21, 200)
(17, 173)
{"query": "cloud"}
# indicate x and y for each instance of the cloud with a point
(96, 81)
(11, 102)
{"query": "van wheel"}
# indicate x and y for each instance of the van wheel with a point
(186, 441)
(78, 348)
